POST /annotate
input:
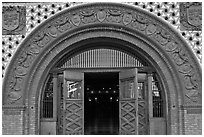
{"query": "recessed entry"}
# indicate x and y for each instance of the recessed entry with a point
(101, 103)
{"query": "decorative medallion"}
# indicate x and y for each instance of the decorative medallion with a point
(101, 15)
(127, 18)
(151, 28)
(191, 16)
(76, 20)
(13, 20)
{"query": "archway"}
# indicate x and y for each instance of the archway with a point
(61, 34)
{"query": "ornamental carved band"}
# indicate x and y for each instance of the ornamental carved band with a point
(97, 14)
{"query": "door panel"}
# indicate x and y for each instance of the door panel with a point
(128, 102)
(60, 118)
(73, 117)
(73, 107)
(142, 108)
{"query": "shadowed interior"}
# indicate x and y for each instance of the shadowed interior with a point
(101, 103)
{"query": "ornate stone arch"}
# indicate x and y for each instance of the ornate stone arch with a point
(160, 44)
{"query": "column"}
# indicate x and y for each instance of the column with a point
(55, 89)
(150, 103)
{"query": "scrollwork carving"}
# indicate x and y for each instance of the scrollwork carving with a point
(13, 97)
(44, 41)
(171, 46)
(52, 31)
(139, 23)
(14, 92)
(25, 59)
(20, 71)
(28, 61)
(39, 36)
(178, 60)
(189, 83)
(185, 68)
(142, 19)
(162, 36)
(114, 16)
(63, 24)
(33, 49)
(183, 54)
(193, 95)
(17, 85)
(131, 19)
(88, 16)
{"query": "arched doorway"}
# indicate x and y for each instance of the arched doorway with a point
(103, 91)
(76, 29)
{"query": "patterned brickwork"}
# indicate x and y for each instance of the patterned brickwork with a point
(36, 13)
(193, 123)
(13, 121)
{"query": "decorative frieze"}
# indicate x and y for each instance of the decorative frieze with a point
(112, 15)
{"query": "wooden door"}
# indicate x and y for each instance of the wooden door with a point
(143, 117)
(128, 102)
(73, 105)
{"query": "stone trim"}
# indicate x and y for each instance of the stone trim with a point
(4, 107)
(194, 111)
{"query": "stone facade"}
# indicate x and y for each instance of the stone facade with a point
(35, 53)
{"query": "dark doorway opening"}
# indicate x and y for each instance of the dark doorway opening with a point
(101, 103)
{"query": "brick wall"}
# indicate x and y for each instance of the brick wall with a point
(12, 121)
(193, 121)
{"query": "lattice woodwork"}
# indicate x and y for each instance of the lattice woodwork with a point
(142, 118)
(60, 119)
(73, 118)
(127, 117)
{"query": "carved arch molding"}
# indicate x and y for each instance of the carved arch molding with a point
(108, 15)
